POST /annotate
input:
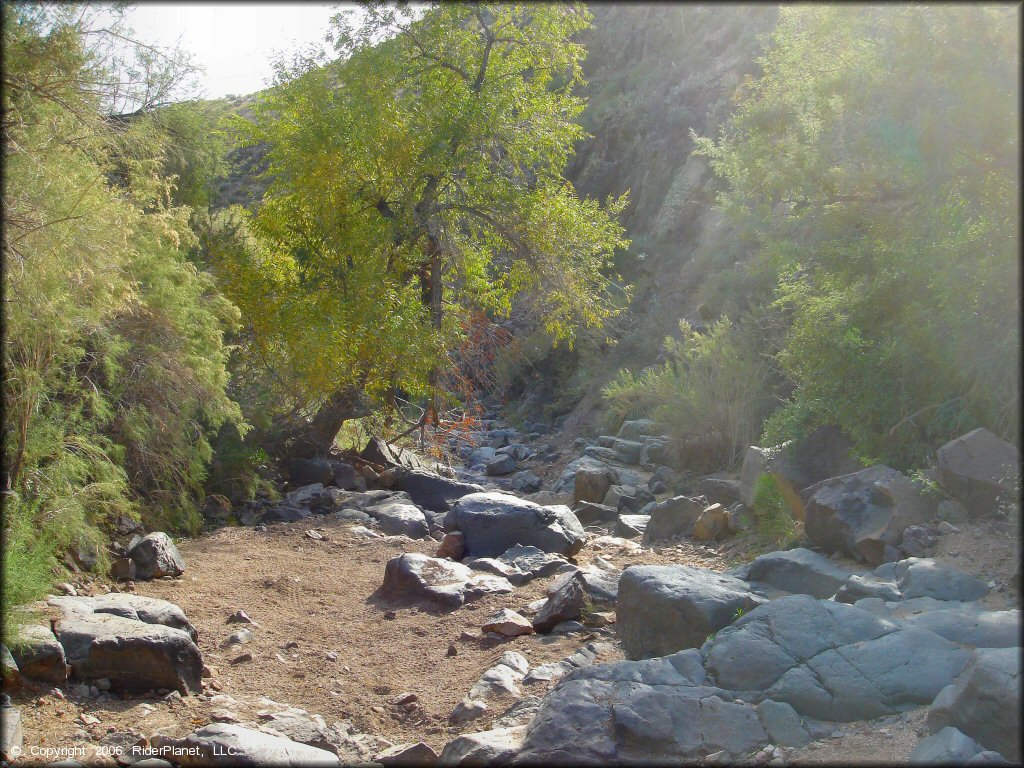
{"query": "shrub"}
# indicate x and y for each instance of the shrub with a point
(773, 518)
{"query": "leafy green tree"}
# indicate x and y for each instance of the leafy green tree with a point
(874, 166)
(113, 354)
(419, 178)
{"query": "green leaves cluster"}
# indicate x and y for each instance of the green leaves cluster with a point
(113, 354)
(415, 181)
(874, 167)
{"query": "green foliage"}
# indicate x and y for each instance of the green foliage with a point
(712, 385)
(28, 564)
(773, 519)
(115, 368)
(875, 165)
(413, 184)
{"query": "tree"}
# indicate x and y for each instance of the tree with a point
(413, 181)
(874, 167)
(113, 356)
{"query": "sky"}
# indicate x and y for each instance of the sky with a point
(234, 42)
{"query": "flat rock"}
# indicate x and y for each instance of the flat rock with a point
(399, 518)
(980, 470)
(631, 526)
(493, 522)
(799, 571)
(229, 745)
(155, 555)
(39, 655)
(592, 513)
(432, 491)
(131, 653)
(984, 701)
(667, 608)
(444, 581)
(861, 514)
(830, 660)
(966, 624)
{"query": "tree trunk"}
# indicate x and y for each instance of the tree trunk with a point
(315, 437)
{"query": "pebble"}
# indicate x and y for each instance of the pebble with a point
(241, 617)
(238, 660)
(452, 650)
(315, 536)
(67, 589)
(88, 719)
(404, 698)
(331, 656)
(57, 693)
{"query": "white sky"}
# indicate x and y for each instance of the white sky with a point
(234, 42)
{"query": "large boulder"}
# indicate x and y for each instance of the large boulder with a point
(799, 464)
(923, 577)
(864, 513)
(379, 451)
(501, 464)
(432, 491)
(39, 655)
(671, 518)
(132, 653)
(443, 581)
(591, 484)
(633, 712)
(309, 471)
(398, 517)
(830, 660)
(155, 556)
(980, 470)
(638, 428)
(712, 525)
(800, 571)
(947, 747)
(592, 513)
(984, 701)
(667, 608)
(485, 748)
(492, 522)
(229, 745)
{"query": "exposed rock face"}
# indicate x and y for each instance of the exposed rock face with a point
(862, 513)
(431, 491)
(980, 470)
(671, 518)
(492, 522)
(830, 660)
(39, 655)
(984, 701)
(155, 555)
(631, 711)
(666, 608)
(799, 571)
(228, 744)
(966, 624)
(131, 653)
(444, 581)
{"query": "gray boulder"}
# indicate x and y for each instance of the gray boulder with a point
(921, 577)
(719, 490)
(432, 491)
(980, 470)
(567, 602)
(666, 608)
(229, 745)
(638, 428)
(947, 747)
(155, 555)
(532, 563)
(799, 571)
(869, 585)
(309, 471)
(919, 541)
(592, 513)
(631, 526)
(600, 581)
(131, 653)
(344, 476)
(379, 451)
(831, 661)
(39, 655)
(494, 747)
(501, 464)
(984, 701)
(525, 481)
(626, 451)
(860, 514)
(638, 711)
(673, 517)
(492, 522)
(397, 517)
(444, 581)
(591, 484)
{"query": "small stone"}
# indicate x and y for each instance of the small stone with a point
(777, 761)
(314, 535)
(331, 656)
(404, 698)
(390, 615)
(718, 758)
(836, 735)
(241, 637)
(241, 617)
(57, 693)
(172, 697)
(452, 650)
(241, 659)
(67, 589)
(453, 546)
(88, 719)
